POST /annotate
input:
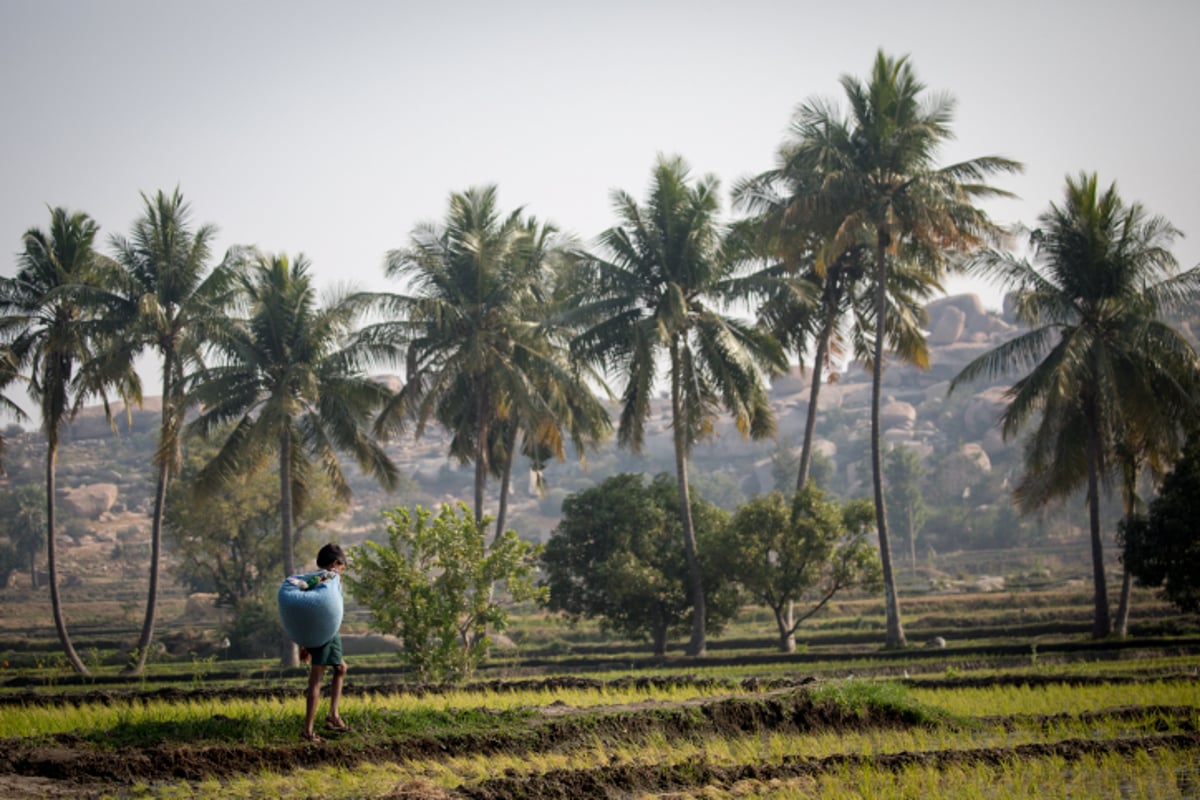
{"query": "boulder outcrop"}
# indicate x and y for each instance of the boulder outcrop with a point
(92, 500)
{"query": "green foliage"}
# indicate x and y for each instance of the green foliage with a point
(617, 556)
(434, 586)
(785, 463)
(862, 698)
(255, 631)
(783, 555)
(903, 469)
(1163, 547)
(10, 562)
(23, 523)
(229, 543)
(821, 472)
(719, 488)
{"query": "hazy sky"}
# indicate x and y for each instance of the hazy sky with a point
(331, 128)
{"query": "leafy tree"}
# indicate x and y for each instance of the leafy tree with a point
(658, 284)
(785, 553)
(904, 472)
(292, 381)
(1101, 357)
(178, 304)
(821, 472)
(615, 556)
(785, 464)
(60, 323)
(255, 627)
(10, 561)
(878, 174)
(228, 542)
(1162, 548)
(721, 488)
(479, 357)
(23, 521)
(433, 585)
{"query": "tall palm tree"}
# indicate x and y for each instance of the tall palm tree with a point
(291, 379)
(479, 356)
(817, 293)
(878, 172)
(660, 281)
(177, 303)
(61, 324)
(1105, 368)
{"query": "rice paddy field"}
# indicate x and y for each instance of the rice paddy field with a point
(1019, 703)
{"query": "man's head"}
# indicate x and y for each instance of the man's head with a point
(330, 556)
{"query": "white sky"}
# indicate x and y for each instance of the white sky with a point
(332, 128)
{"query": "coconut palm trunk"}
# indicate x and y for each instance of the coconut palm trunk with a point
(1101, 624)
(814, 393)
(697, 646)
(481, 445)
(895, 631)
(60, 624)
(506, 478)
(288, 654)
(156, 522)
(1130, 468)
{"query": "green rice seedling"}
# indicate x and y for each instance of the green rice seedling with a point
(1169, 774)
(857, 697)
(1057, 698)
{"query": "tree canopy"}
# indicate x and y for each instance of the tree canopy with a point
(615, 556)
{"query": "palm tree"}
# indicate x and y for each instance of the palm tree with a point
(1133, 458)
(817, 291)
(659, 284)
(8, 375)
(480, 358)
(562, 406)
(1105, 368)
(878, 173)
(61, 324)
(290, 379)
(177, 304)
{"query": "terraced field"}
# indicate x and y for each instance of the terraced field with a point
(1016, 705)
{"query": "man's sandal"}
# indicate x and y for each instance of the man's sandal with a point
(337, 724)
(311, 737)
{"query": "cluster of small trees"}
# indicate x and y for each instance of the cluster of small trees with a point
(504, 327)
(615, 557)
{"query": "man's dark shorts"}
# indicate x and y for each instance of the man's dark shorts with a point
(328, 654)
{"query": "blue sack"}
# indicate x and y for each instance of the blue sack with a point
(311, 617)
